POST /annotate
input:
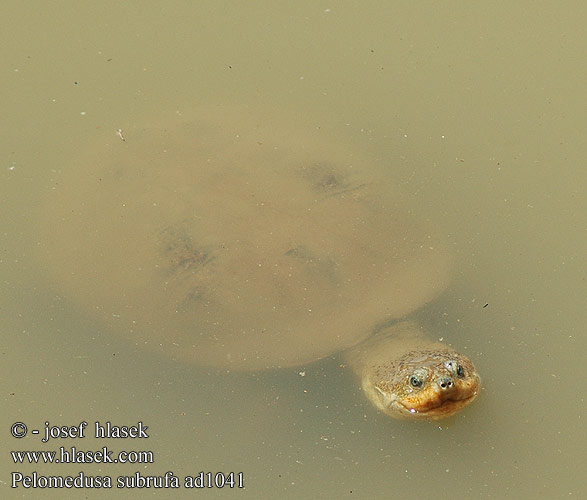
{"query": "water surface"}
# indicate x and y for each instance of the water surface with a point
(476, 113)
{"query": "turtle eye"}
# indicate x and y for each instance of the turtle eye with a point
(452, 366)
(455, 368)
(416, 381)
(418, 378)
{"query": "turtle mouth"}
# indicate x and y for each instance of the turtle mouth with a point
(438, 403)
(444, 409)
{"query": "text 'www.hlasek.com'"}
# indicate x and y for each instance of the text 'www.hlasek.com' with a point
(87, 479)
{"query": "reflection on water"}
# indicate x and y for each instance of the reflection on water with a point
(479, 126)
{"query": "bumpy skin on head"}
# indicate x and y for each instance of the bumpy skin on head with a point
(409, 377)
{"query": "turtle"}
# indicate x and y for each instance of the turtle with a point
(247, 240)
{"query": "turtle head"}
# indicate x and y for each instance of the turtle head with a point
(407, 375)
(430, 383)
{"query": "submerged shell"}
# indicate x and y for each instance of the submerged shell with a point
(237, 239)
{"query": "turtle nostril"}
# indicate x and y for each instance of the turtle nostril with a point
(445, 383)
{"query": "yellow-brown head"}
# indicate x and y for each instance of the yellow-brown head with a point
(430, 383)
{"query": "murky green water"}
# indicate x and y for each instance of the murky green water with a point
(476, 112)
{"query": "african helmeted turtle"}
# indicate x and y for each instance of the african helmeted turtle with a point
(240, 240)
